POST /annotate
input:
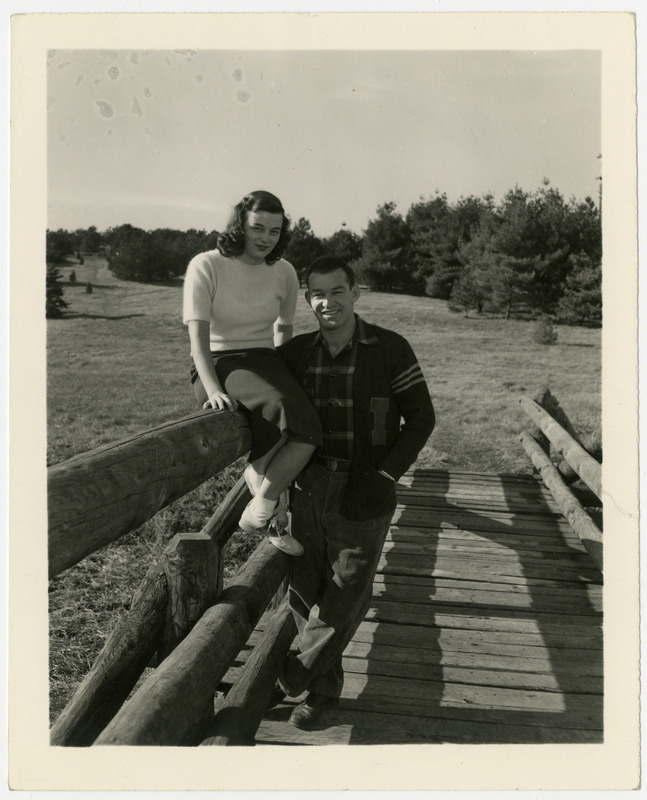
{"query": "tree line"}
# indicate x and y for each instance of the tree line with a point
(532, 250)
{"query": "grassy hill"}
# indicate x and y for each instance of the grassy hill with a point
(118, 364)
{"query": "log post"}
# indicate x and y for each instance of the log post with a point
(224, 520)
(167, 704)
(132, 644)
(117, 668)
(587, 531)
(239, 716)
(192, 564)
(584, 464)
(96, 497)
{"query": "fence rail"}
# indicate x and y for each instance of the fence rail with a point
(96, 497)
(584, 465)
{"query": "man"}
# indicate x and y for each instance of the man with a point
(364, 381)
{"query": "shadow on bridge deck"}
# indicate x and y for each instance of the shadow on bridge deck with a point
(495, 608)
(485, 625)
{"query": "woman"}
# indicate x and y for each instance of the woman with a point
(239, 304)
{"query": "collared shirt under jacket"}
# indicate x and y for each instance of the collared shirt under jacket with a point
(392, 417)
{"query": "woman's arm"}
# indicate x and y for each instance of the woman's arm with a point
(201, 353)
(282, 333)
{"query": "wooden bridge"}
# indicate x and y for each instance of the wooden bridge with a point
(485, 626)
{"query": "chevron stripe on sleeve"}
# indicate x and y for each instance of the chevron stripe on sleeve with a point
(405, 380)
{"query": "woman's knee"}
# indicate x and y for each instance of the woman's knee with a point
(303, 447)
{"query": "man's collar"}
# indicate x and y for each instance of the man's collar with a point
(363, 334)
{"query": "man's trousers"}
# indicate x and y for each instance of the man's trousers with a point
(331, 583)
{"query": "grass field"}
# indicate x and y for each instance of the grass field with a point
(118, 364)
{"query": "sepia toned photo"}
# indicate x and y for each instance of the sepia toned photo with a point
(333, 346)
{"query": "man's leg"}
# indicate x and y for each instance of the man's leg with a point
(331, 584)
(354, 550)
(308, 572)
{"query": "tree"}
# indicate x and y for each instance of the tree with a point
(583, 229)
(438, 231)
(582, 298)
(304, 247)
(522, 249)
(58, 245)
(386, 254)
(344, 244)
(467, 293)
(434, 245)
(158, 255)
(54, 301)
(89, 240)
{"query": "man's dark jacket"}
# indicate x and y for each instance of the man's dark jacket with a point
(393, 415)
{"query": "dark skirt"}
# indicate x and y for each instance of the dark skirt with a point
(273, 401)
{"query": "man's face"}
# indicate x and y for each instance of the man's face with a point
(332, 299)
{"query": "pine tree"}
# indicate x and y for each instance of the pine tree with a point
(467, 293)
(344, 244)
(304, 247)
(386, 254)
(54, 301)
(582, 298)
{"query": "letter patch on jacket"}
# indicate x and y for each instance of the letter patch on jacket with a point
(379, 408)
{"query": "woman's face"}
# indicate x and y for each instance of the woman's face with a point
(262, 231)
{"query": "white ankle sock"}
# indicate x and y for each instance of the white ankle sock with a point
(262, 507)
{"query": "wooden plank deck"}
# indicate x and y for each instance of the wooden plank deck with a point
(485, 626)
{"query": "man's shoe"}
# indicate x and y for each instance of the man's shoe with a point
(307, 714)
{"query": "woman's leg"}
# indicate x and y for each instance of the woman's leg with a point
(286, 463)
(258, 468)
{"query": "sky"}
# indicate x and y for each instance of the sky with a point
(175, 138)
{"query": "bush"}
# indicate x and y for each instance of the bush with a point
(544, 331)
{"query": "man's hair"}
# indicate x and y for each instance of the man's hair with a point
(326, 264)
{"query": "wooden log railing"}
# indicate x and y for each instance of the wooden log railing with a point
(240, 714)
(165, 707)
(180, 611)
(584, 464)
(140, 633)
(96, 497)
(180, 594)
(579, 460)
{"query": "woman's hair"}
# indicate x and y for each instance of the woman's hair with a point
(232, 241)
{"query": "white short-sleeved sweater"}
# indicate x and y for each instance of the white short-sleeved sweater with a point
(240, 301)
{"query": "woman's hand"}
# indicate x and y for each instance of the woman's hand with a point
(220, 401)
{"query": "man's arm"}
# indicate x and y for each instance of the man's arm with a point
(416, 409)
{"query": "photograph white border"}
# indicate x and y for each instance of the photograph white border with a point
(33, 764)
